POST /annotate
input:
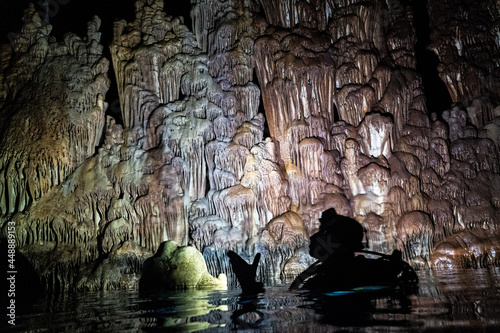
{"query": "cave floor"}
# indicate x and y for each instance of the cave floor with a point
(448, 300)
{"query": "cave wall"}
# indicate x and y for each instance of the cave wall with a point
(335, 84)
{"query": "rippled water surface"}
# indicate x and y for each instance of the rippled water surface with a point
(454, 301)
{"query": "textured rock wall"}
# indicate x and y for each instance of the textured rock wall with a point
(52, 110)
(188, 160)
(466, 39)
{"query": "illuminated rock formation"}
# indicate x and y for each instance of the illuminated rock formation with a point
(174, 267)
(61, 124)
(53, 122)
(190, 160)
(467, 41)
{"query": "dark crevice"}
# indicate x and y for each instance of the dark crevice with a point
(181, 8)
(336, 116)
(114, 110)
(267, 132)
(112, 97)
(255, 81)
(207, 181)
(437, 97)
(181, 96)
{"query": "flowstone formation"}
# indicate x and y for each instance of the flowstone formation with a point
(52, 109)
(237, 133)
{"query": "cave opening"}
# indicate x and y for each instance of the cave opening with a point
(437, 96)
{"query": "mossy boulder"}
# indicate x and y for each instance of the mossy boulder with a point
(178, 267)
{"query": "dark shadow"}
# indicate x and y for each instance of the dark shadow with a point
(248, 300)
(180, 8)
(437, 97)
(20, 283)
(358, 310)
(341, 287)
(207, 181)
(267, 132)
(336, 116)
(245, 273)
(340, 266)
(241, 317)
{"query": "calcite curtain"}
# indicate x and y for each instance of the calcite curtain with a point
(237, 132)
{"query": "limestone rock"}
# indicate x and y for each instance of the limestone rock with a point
(120, 270)
(177, 267)
(465, 38)
(238, 134)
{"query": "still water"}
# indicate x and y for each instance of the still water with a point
(449, 300)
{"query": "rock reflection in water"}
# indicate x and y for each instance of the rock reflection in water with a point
(458, 301)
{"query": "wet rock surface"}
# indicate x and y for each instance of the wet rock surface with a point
(177, 267)
(237, 132)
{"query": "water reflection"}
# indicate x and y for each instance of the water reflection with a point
(461, 300)
(248, 315)
(465, 300)
(361, 308)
